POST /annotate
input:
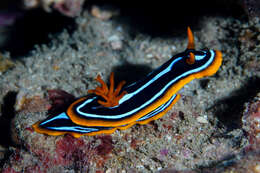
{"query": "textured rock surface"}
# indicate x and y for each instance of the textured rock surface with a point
(203, 131)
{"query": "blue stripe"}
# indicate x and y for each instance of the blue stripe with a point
(76, 129)
(65, 128)
(158, 110)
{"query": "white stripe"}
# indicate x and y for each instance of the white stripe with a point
(148, 83)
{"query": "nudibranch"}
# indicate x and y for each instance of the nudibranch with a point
(106, 109)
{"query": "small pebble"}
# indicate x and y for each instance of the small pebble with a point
(202, 119)
(20, 99)
(100, 13)
(173, 48)
(30, 3)
(257, 168)
(108, 170)
(115, 42)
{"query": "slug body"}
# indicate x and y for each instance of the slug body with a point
(106, 109)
